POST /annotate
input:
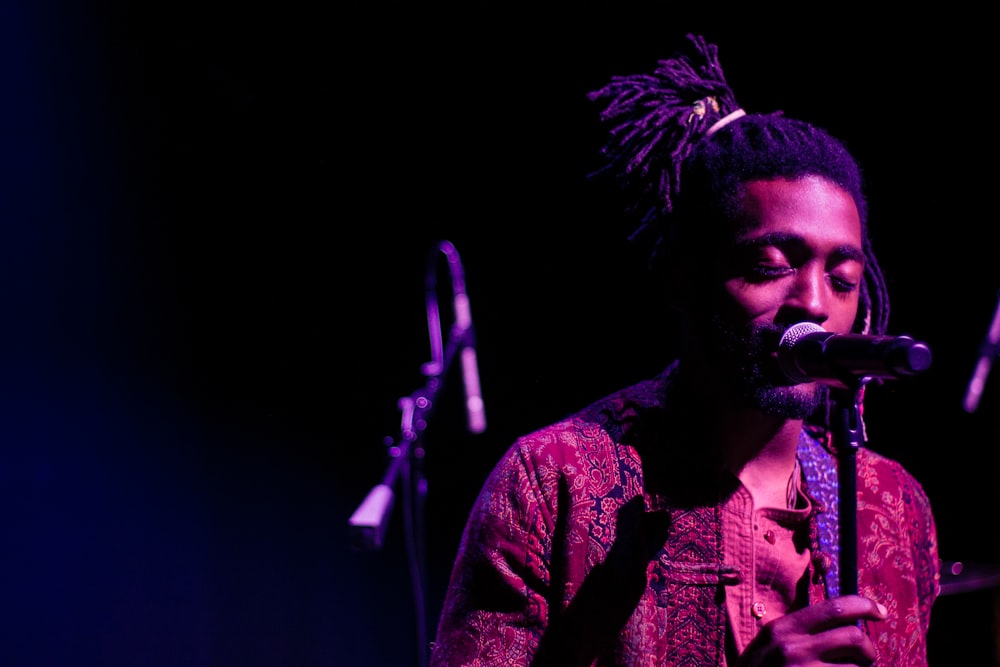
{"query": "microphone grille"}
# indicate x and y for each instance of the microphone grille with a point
(797, 331)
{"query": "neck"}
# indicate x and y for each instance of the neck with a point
(762, 457)
(757, 448)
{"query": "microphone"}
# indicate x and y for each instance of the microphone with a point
(462, 339)
(474, 406)
(809, 353)
(987, 352)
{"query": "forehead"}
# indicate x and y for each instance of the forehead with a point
(812, 207)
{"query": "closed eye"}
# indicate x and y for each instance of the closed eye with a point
(759, 273)
(842, 285)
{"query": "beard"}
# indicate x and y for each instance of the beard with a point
(746, 355)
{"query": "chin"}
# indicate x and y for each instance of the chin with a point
(753, 367)
(788, 401)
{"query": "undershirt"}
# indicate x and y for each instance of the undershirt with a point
(770, 549)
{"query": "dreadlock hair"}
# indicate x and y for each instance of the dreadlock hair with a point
(683, 147)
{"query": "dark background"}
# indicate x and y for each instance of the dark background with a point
(218, 219)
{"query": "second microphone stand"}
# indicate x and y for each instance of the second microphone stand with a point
(369, 522)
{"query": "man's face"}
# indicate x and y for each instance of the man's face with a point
(796, 255)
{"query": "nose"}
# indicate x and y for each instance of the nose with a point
(810, 292)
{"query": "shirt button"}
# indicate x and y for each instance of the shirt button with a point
(758, 609)
(769, 536)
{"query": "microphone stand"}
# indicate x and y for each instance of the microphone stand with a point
(848, 436)
(369, 522)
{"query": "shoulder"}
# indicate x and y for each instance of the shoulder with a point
(593, 448)
(606, 423)
(877, 471)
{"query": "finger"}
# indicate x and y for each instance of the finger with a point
(832, 613)
(844, 643)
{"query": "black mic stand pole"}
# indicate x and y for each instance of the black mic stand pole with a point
(369, 521)
(848, 436)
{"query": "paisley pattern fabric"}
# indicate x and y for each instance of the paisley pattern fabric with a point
(598, 541)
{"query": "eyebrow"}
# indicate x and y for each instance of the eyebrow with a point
(846, 251)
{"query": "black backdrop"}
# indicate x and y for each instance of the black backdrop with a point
(218, 220)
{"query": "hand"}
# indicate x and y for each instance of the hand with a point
(826, 633)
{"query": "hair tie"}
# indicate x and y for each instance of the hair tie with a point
(701, 107)
(725, 120)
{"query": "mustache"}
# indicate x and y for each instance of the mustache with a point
(755, 339)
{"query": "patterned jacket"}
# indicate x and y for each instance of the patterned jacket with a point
(588, 545)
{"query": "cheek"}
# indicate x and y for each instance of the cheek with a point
(744, 300)
(845, 315)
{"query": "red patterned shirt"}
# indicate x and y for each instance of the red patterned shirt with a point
(599, 540)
